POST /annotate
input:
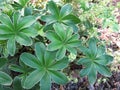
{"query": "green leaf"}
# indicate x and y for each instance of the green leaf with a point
(26, 22)
(17, 84)
(65, 10)
(84, 72)
(52, 36)
(11, 46)
(69, 32)
(103, 70)
(49, 19)
(58, 77)
(3, 61)
(49, 57)
(30, 32)
(75, 43)
(104, 59)
(5, 36)
(16, 18)
(71, 19)
(16, 68)
(73, 38)
(28, 11)
(40, 51)
(53, 8)
(71, 49)
(61, 53)
(61, 64)
(33, 78)
(5, 29)
(92, 46)
(101, 51)
(83, 49)
(45, 83)
(5, 79)
(30, 60)
(54, 46)
(22, 39)
(6, 20)
(92, 75)
(83, 61)
(59, 30)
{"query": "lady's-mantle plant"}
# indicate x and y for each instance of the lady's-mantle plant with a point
(95, 60)
(46, 68)
(62, 40)
(39, 67)
(17, 29)
(64, 15)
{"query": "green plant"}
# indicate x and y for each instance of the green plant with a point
(61, 16)
(46, 68)
(59, 45)
(62, 40)
(18, 29)
(95, 60)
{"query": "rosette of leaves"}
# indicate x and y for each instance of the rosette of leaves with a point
(46, 68)
(62, 16)
(18, 29)
(95, 60)
(62, 40)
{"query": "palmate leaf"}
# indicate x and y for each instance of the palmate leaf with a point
(46, 68)
(96, 60)
(62, 40)
(18, 29)
(62, 16)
